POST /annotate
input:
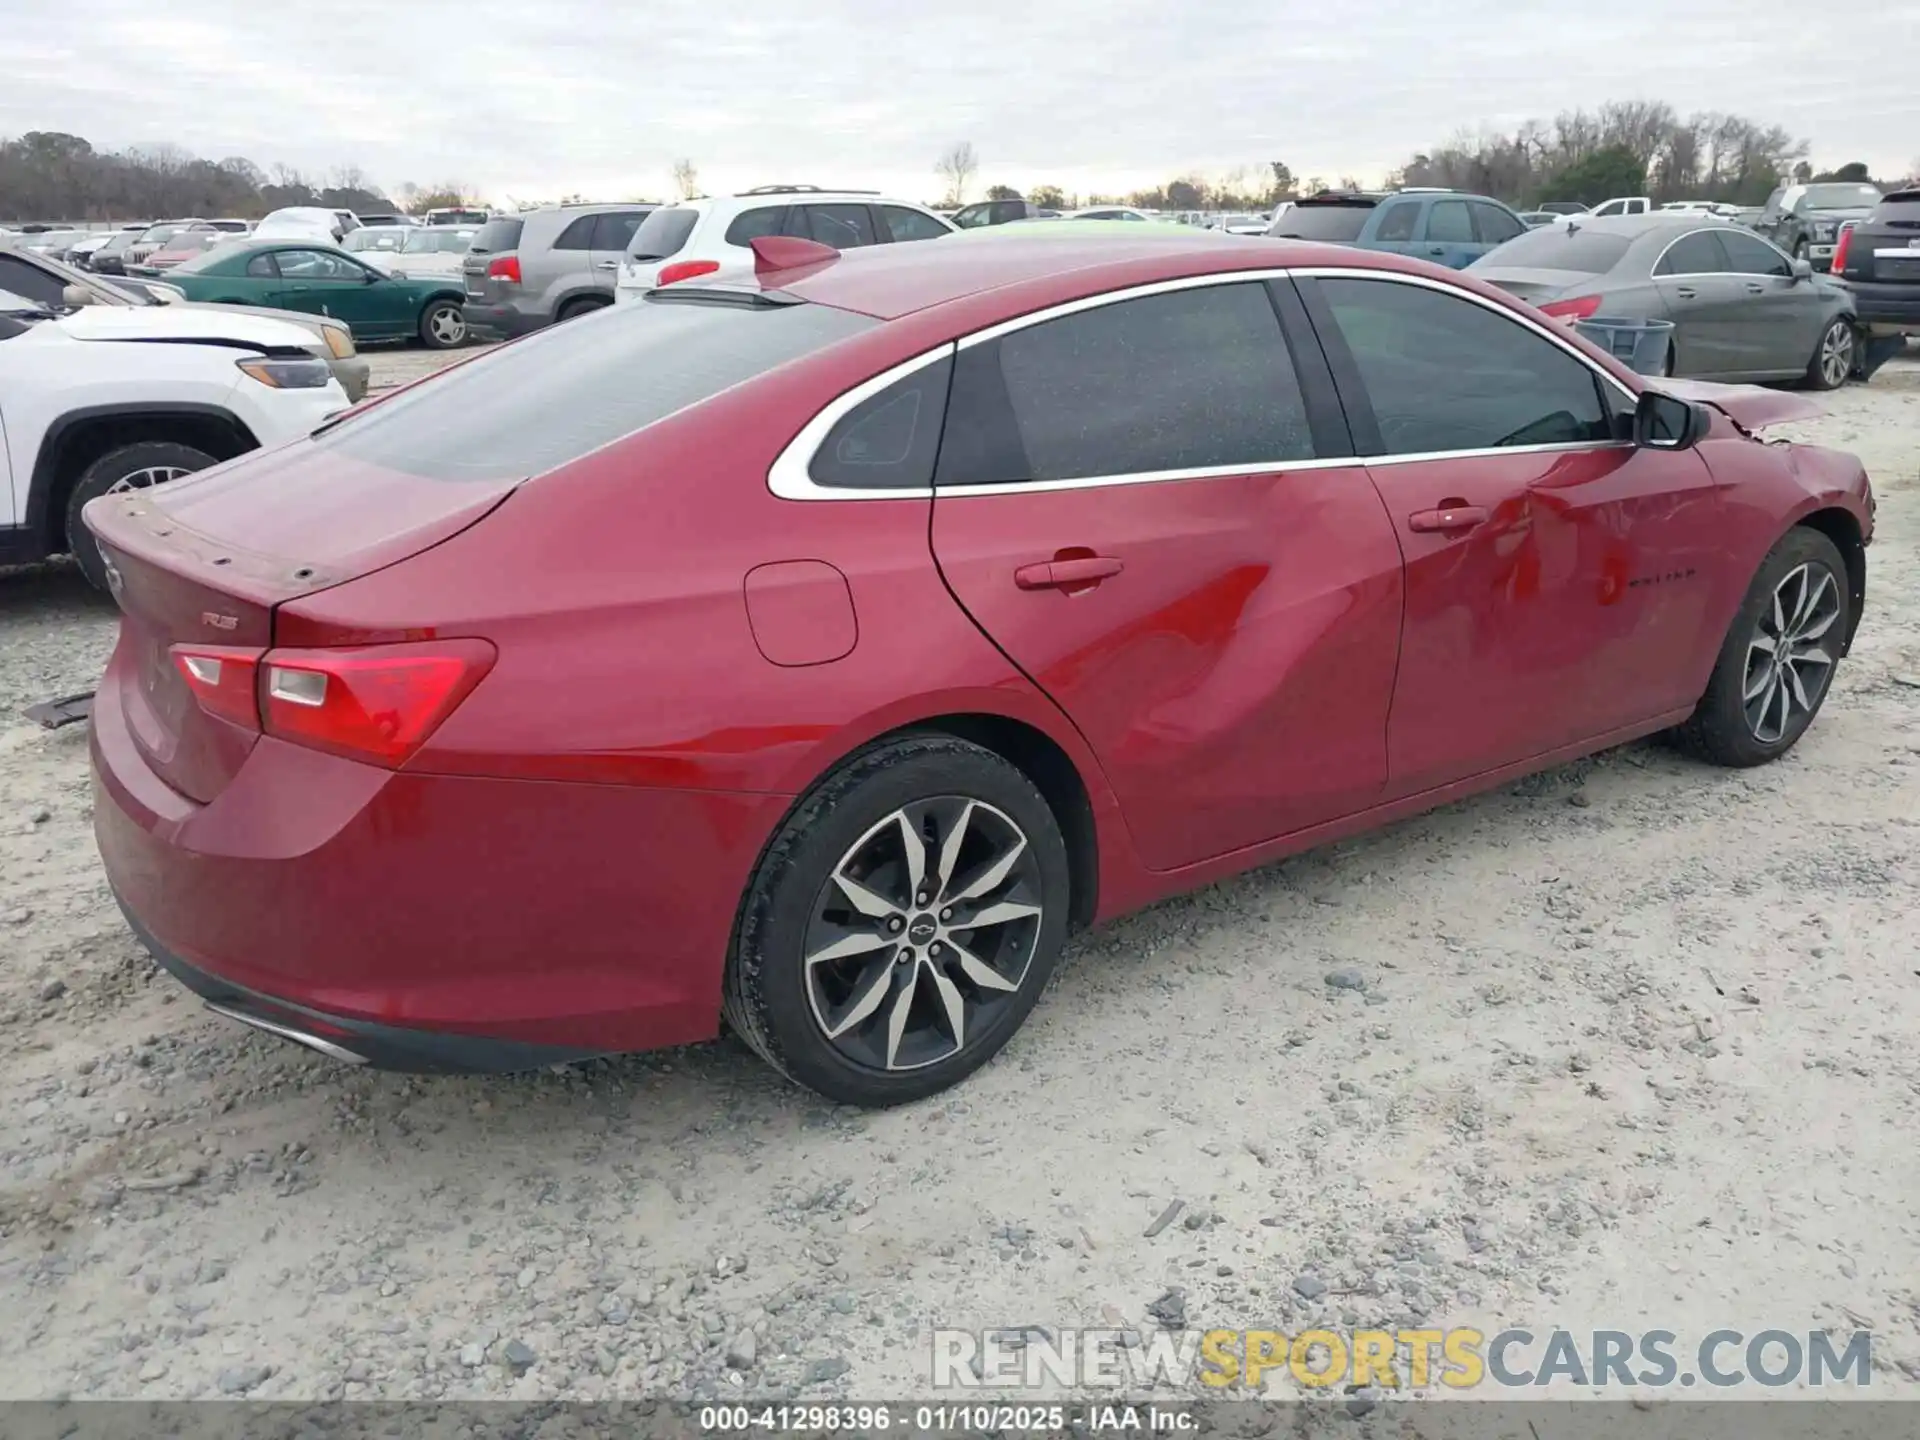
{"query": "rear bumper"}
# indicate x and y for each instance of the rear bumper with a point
(1878, 304)
(425, 921)
(499, 322)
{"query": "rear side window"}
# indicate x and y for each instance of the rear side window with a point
(1322, 222)
(1396, 221)
(261, 266)
(613, 231)
(845, 227)
(750, 225)
(535, 405)
(1444, 373)
(498, 234)
(1695, 254)
(661, 234)
(1181, 381)
(890, 441)
(578, 235)
(1493, 225)
(905, 224)
(1449, 224)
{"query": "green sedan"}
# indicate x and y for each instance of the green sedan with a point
(323, 279)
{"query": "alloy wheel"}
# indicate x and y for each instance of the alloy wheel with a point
(144, 477)
(448, 325)
(1836, 354)
(1791, 657)
(924, 931)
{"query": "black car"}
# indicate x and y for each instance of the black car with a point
(1805, 220)
(1878, 259)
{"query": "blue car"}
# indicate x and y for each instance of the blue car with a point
(1443, 226)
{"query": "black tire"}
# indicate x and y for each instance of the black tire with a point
(770, 996)
(574, 309)
(1721, 729)
(110, 471)
(443, 325)
(1836, 355)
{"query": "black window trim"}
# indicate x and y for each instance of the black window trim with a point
(789, 477)
(1359, 404)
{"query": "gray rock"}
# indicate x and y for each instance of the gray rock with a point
(473, 1356)
(1164, 1219)
(821, 1371)
(153, 1370)
(743, 1351)
(1309, 1287)
(239, 1379)
(1346, 978)
(519, 1356)
(1170, 1309)
(53, 989)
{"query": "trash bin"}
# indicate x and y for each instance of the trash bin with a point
(1640, 345)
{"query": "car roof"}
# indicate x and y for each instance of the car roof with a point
(889, 281)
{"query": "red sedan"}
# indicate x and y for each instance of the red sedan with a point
(817, 647)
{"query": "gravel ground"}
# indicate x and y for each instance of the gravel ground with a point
(1633, 1043)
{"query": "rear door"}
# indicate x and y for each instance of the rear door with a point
(1448, 236)
(1558, 580)
(1777, 321)
(844, 226)
(1395, 225)
(608, 242)
(1149, 505)
(1702, 299)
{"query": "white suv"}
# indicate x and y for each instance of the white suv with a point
(698, 237)
(106, 399)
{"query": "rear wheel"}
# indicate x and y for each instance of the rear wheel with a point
(1777, 662)
(443, 326)
(131, 467)
(1834, 357)
(574, 309)
(902, 924)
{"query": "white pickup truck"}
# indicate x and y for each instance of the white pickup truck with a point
(107, 399)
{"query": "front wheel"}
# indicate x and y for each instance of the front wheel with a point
(443, 326)
(902, 924)
(131, 467)
(1834, 358)
(1777, 662)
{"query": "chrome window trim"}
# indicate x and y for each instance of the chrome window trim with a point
(1654, 272)
(789, 476)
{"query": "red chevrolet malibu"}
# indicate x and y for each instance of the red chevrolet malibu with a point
(816, 647)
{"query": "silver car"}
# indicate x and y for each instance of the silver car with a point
(1740, 308)
(535, 269)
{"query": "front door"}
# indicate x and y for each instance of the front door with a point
(1780, 316)
(1557, 578)
(326, 282)
(1145, 505)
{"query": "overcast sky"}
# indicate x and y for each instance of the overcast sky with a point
(537, 98)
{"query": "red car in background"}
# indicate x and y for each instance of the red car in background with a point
(818, 647)
(180, 249)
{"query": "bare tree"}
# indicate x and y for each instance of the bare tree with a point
(686, 179)
(957, 167)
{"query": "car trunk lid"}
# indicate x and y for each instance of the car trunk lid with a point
(1533, 285)
(313, 518)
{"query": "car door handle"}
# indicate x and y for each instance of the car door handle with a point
(606, 264)
(1754, 287)
(1685, 292)
(1453, 517)
(299, 287)
(1436, 249)
(1061, 574)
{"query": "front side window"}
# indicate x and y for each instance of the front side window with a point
(1695, 254)
(1750, 255)
(1493, 225)
(316, 265)
(904, 224)
(30, 281)
(1186, 380)
(1444, 373)
(1397, 219)
(1449, 224)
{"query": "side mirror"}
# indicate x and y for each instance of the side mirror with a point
(1661, 422)
(77, 295)
(1803, 270)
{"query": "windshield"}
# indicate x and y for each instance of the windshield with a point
(12, 304)
(377, 238)
(438, 241)
(1322, 222)
(1556, 247)
(158, 234)
(1840, 197)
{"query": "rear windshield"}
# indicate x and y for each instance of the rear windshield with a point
(662, 233)
(1322, 222)
(497, 235)
(1554, 247)
(534, 406)
(1904, 206)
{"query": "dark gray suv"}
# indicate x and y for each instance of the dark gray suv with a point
(527, 271)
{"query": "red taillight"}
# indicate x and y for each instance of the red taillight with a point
(685, 270)
(222, 678)
(507, 267)
(379, 703)
(1572, 310)
(1845, 242)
